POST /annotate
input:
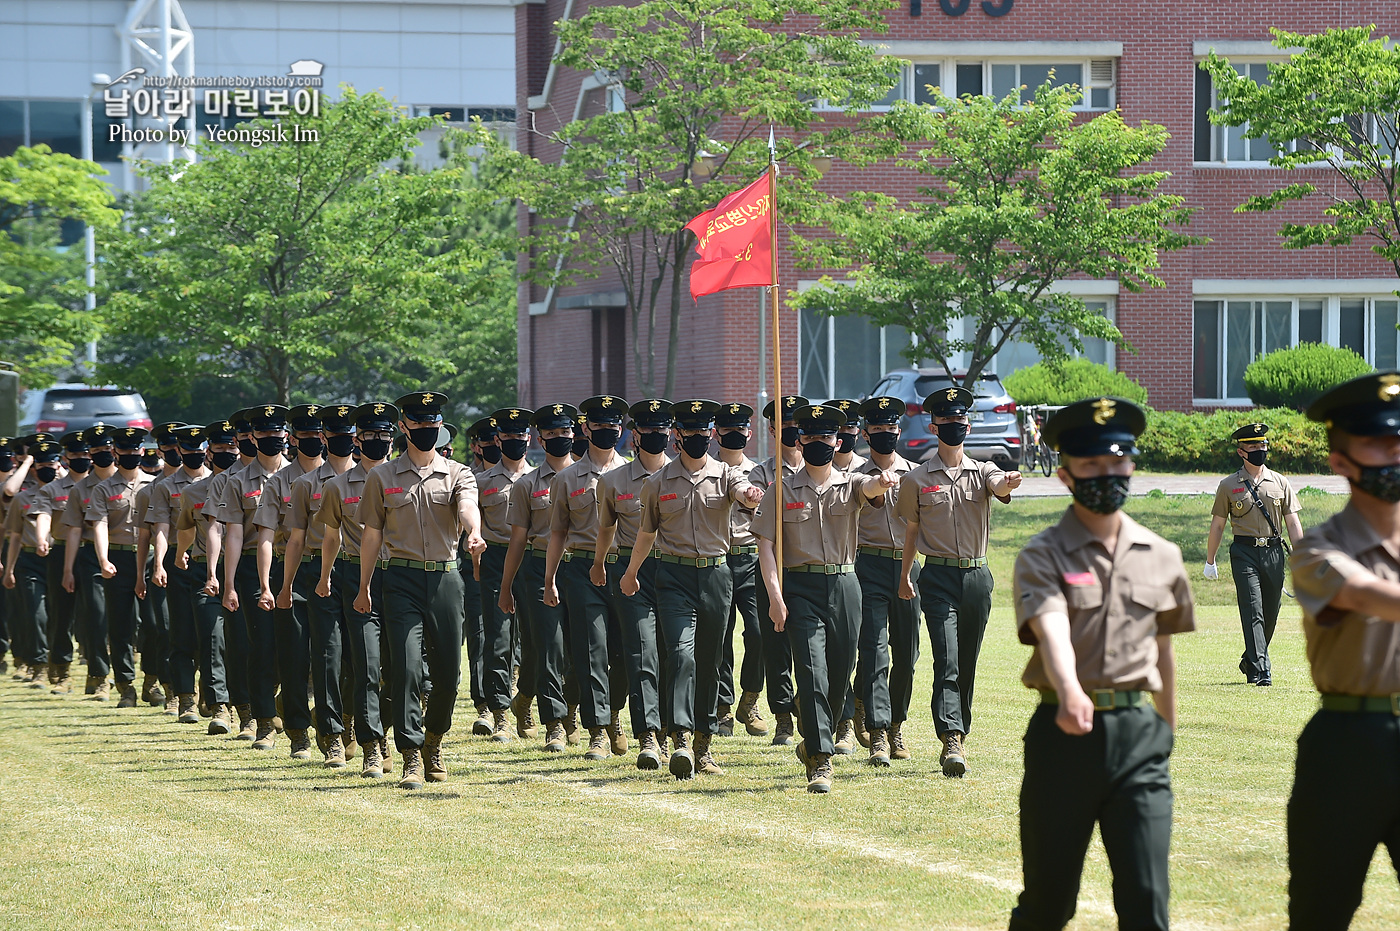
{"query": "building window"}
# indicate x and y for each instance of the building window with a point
(57, 124)
(999, 78)
(845, 357)
(466, 114)
(1227, 144)
(1231, 333)
(1018, 355)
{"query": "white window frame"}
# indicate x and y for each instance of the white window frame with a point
(1086, 292)
(947, 66)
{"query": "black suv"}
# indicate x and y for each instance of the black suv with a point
(993, 429)
(62, 408)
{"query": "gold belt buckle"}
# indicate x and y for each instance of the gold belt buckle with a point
(430, 565)
(1103, 699)
(1261, 541)
(964, 563)
(702, 562)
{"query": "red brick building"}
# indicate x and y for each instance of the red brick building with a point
(1223, 303)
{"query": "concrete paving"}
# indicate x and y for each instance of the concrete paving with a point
(1038, 486)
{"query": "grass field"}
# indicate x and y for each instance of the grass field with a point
(125, 819)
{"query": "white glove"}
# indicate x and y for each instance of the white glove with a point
(1211, 571)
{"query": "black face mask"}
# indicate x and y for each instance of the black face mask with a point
(271, 445)
(79, 466)
(223, 460)
(605, 438)
(312, 446)
(789, 436)
(580, 447)
(375, 449)
(171, 457)
(559, 446)
(193, 461)
(7, 462)
(883, 443)
(1102, 494)
(1378, 481)
(652, 443)
(129, 461)
(514, 449)
(818, 453)
(695, 446)
(103, 458)
(845, 442)
(340, 444)
(733, 440)
(423, 438)
(952, 434)
(1257, 456)
(46, 474)
(247, 447)
(491, 454)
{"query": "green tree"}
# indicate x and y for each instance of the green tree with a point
(1334, 103)
(1021, 196)
(287, 261)
(41, 283)
(687, 90)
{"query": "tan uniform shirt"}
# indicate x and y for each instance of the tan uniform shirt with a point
(689, 512)
(857, 464)
(275, 503)
(529, 505)
(951, 507)
(418, 511)
(761, 475)
(1232, 500)
(194, 500)
(1350, 653)
(308, 492)
(113, 502)
(19, 520)
(214, 497)
(493, 490)
(340, 508)
(883, 527)
(620, 501)
(52, 499)
(741, 518)
(165, 495)
(1117, 603)
(143, 500)
(238, 503)
(819, 524)
(79, 497)
(574, 503)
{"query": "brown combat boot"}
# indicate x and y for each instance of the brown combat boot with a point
(724, 719)
(386, 754)
(597, 745)
(347, 738)
(616, 738)
(554, 737)
(412, 769)
(189, 713)
(39, 678)
(682, 764)
(266, 735)
(704, 760)
(845, 738)
(90, 685)
(102, 691)
(783, 734)
(21, 671)
(63, 682)
(747, 714)
(172, 704)
(129, 698)
(525, 725)
(149, 683)
(433, 765)
(247, 724)
(571, 725)
(372, 766)
(819, 775)
(952, 758)
(335, 753)
(483, 725)
(898, 751)
(648, 754)
(500, 727)
(222, 721)
(858, 723)
(879, 748)
(300, 744)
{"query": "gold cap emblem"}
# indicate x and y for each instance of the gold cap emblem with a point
(130, 431)
(427, 398)
(884, 403)
(1390, 387)
(733, 408)
(267, 411)
(1103, 410)
(343, 410)
(558, 409)
(816, 412)
(1258, 429)
(379, 408)
(492, 421)
(951, 394)
(695, 406)
(607, 401)
(654, 406)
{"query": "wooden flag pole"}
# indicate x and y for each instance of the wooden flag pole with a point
(777, 365)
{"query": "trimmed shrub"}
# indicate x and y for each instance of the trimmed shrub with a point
(1176, 442)
(1074, 380)
(1294, 377)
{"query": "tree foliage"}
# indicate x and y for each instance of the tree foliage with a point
(1019, 196)
(1337, 98)
(290, 262)
(684, 84)
(42, 283)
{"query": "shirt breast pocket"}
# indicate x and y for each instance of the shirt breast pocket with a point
(583, 500)
(715, 499)
(940, 499)
(1146, 600)
(670, 503)
(628, 505)
(398, 499)
(845, 506)
(792, 515)
(1241, 505)
(1084, 597)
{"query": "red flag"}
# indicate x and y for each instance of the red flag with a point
(734, 242)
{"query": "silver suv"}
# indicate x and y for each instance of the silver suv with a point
(994, 433)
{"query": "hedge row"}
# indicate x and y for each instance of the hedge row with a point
(1177, 442)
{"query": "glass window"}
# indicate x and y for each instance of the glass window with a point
(1003, 80)
(970, 80)
(1033, 76)
(1206, 374)
(925, 76)
(1310, 321)
(57, 124)
(1352, 332)
(855, 365)
(844, 356)
(896, 341)
(12, 133)
(812, 370)
(1385, 338)
(1278, 325)
(1239, 346)
(102, 150)
(1016, 354)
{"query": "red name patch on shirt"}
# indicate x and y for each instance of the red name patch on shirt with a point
(625, 497)
(929, 488)
(492, 491)
(316, 496)
(58, 498)
(1079, 578)
(1235, 491)
(175, 494)
(539, 494)
(199, 505)
(667, 498)
(575, 494)
(114, 497)
(354, 500)
(252, 494)
(286, 498)
(393, 491)
(794, 505)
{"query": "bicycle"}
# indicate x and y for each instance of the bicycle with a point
(1035, 453)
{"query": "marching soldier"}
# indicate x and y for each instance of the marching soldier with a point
(176, 585)
(1347, 580)
(82, 574)
(339, 515)
(946, 505)
(846, 458)
(153, 606)
(1258, 502)
(238, 647)
(417, 507)
(480, 435)
(7, 469)
(151, 461)
(595, 637)
(112, 514)
(733, 425)
(619, 495)
(777, 651)
(1098, 596)
(522, 581)
(847, 733)
(580, 448)
(25, 570)
(685, 514)
(52, 498)
(29, 636)
(816, 600)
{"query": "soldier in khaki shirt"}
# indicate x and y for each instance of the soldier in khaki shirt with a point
(178, 584)
(815, 598)
(946, 503)
(417, 507)
(619, 494)
(238, 647)
(594, 634)
(26, 571)
(341, 527)
(51, 498)
(1346, 575)
(1098, 597)
(685, 514)
(82, 574)
(1258, 552)
(156, 634)
(543, 655)
(733, 426)
(112, 513)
